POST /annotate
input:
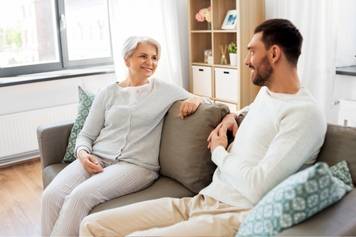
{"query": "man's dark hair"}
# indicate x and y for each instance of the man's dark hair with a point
(284, 34)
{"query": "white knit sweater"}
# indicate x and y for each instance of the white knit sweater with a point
(280, 133)
(127, 126)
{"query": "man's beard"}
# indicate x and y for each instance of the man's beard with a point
(262, 72)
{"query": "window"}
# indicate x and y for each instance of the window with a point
(46, 35)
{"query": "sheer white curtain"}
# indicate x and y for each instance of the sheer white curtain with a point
(165, 21)
(317, 22)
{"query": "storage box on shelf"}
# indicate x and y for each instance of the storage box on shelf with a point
(227, 84)
(202, 80)
(217, 78)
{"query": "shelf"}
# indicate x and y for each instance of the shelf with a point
(213, 80)
(195, 6)
(214, 65)
(200, 31)
(225, 66)
(220, 8)
(201, 64)
(213, 31)
(225, 31)
(222, 40)
(200, 42)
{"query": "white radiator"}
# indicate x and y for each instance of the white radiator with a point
(18, 137)
(347, 113)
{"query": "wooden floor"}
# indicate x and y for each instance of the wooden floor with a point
(20, 199)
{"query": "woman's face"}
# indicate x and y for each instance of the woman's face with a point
(143, 62)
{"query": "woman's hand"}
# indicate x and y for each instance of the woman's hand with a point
(189, 106)
(89, 162)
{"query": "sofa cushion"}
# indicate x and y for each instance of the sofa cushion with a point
(49, 172)
(340, 145)
(184, 155)
(85, 102)
(163, 187)
(294, 200)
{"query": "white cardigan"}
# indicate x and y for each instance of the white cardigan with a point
(125, 128)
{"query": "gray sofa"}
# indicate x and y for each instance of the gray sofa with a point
(186, 166)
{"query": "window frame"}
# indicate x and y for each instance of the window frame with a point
(62, 49)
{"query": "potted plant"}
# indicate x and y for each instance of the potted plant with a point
(232, 49)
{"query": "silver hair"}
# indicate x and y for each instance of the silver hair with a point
(132, 42)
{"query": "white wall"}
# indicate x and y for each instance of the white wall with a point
(346, 37)
(342, 17)
(345, 86)
(346, 30)
(32, 96)
(25, 107)
(344, 89)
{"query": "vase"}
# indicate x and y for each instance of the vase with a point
(209, 25)
(223, 51)
(223, 60)
(233, 59)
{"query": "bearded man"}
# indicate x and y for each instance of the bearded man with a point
(282, 131)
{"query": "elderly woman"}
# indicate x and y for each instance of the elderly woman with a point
(117, 149)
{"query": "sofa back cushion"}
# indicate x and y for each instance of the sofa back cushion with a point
(184, 155)
(340, 144)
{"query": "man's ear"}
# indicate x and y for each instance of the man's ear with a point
(275, 53)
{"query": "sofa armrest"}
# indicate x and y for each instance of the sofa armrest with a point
(52, 141)
(337, 220)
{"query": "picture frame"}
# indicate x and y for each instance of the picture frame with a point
(230, 20)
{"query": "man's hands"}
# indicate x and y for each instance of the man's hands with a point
(218, 136)
(89, 162)
(189, 106)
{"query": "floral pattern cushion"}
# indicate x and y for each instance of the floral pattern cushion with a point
(294, 200)
(341, 171)
(85, 102)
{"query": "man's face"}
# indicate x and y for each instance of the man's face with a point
(258, 62)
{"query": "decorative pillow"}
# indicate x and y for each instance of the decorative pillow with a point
(294, 200)
(184, 154)
(85, 102)
(341, 171)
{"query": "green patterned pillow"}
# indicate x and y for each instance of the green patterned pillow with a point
(341, 171)
(85, 102)
(294, 200)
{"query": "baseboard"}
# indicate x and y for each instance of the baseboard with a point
(18, 158)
